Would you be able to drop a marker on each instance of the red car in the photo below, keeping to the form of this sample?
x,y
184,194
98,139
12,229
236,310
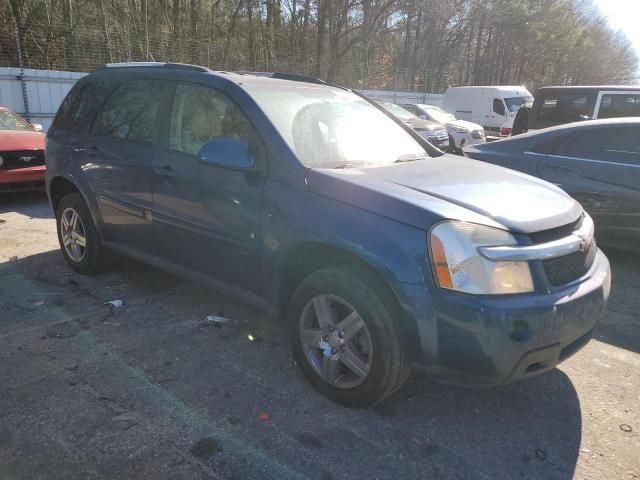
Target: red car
x,y
21,153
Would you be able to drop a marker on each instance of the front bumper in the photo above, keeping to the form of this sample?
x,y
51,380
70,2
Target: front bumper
x,y
489,340
22,178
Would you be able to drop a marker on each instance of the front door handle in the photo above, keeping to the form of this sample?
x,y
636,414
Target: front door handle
x,y
165,171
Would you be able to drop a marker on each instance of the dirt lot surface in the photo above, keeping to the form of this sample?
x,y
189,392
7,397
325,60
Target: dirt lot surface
x,y
152,390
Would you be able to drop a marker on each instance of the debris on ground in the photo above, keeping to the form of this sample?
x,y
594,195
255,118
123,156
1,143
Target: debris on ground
x,y
13,259
217,319
39,303
253,338
626,428
264,416
541,454
115,303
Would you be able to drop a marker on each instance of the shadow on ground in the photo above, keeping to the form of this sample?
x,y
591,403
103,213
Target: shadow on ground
x,y
31,204
153,390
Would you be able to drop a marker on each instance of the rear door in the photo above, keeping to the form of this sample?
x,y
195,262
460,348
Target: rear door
x,y
601,169
120,149
206,217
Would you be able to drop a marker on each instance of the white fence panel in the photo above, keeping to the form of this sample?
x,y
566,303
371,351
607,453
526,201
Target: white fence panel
x,y
435,99
47,88
45,91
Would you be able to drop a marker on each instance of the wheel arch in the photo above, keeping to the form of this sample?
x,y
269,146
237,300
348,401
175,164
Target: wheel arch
x,y
311,256
61,185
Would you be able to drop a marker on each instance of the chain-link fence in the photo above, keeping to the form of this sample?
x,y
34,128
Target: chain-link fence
x,y
81,49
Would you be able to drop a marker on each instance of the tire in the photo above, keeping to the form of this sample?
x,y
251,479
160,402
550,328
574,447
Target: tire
x,y
92,256
381,342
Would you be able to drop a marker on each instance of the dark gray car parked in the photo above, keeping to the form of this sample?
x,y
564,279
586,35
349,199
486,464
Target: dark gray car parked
x,y
596,162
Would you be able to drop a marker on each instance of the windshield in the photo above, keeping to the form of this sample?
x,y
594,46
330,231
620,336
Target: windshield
x,y
439,115
331,128
514,103
11,121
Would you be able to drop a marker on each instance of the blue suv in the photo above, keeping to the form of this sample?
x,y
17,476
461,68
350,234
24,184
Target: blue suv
x,y
314,203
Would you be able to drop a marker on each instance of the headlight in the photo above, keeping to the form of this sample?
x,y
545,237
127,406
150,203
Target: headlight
x,y
458,265
461,129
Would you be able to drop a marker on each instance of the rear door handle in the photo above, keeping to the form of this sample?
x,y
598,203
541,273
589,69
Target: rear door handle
x,y
165,171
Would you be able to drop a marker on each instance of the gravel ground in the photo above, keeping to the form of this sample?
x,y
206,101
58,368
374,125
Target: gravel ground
x,y
152,390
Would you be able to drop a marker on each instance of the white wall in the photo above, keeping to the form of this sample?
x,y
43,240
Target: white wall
x,y
47,88
45,91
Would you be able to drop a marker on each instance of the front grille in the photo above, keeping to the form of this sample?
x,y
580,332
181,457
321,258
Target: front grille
x,y
438,135
563,270
555,233
21,159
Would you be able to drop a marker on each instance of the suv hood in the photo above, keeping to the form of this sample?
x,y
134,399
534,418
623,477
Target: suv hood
x,y
450,187
464,124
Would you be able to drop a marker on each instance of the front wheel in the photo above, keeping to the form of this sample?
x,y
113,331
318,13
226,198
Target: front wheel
x,y
347,338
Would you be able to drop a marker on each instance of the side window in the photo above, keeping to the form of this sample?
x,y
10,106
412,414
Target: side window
x,y
615,145
200,113
131,110
615,105
564,107
80,105
498,107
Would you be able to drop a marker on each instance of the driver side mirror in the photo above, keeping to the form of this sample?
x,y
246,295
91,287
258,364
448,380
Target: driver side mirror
x,y
226,153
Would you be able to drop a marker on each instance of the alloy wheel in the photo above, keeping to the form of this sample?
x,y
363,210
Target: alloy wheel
x,y
73,233
336,341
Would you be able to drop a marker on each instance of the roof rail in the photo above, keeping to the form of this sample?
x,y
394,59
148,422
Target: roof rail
x,y
294,77
175,66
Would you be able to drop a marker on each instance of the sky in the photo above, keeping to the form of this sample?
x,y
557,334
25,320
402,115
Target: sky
x,y
623,15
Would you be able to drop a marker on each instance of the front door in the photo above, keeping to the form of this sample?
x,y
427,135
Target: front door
x,y
119,151
206,217
601,169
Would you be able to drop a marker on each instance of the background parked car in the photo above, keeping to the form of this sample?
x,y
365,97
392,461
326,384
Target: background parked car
x,y
21,153
434,132
559,105
596,162
461,132
492,107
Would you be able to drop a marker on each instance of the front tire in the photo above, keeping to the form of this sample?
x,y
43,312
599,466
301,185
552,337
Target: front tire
x,y
347,338
77,235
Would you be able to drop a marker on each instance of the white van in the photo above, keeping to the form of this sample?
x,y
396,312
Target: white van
x,y
492,107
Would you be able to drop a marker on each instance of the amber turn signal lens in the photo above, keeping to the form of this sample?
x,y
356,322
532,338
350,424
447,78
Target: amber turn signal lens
x,y
440,261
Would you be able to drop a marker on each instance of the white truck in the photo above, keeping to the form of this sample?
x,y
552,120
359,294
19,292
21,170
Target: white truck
x,y
492,107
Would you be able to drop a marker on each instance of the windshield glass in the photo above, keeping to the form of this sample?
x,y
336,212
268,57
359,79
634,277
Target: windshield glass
x,y
514,103
331,128
439,115
11,121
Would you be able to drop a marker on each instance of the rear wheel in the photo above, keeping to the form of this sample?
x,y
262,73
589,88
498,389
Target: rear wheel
x,y
77,235
346,336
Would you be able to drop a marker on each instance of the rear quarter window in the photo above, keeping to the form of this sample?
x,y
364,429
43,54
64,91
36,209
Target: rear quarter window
x,y
614,105
80,105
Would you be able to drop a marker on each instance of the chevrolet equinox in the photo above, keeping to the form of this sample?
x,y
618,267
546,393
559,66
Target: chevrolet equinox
x,y
312,202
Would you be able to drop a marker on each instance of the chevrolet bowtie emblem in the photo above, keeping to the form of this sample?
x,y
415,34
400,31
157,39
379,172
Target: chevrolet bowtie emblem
x,y
585,242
